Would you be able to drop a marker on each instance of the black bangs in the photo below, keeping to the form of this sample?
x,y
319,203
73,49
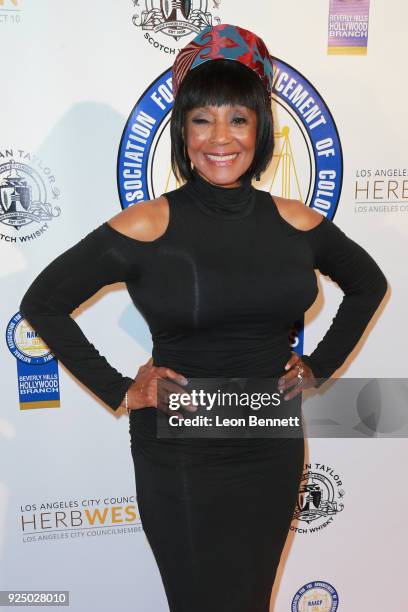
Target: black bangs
x,y
216,83
219,82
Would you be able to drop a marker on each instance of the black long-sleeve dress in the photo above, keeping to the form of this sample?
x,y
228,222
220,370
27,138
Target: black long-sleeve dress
x,y
220,290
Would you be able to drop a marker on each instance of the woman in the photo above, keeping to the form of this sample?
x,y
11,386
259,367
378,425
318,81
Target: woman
x,y
221,271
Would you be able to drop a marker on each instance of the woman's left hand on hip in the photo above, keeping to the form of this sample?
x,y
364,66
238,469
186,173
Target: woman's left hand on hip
x,y
298,377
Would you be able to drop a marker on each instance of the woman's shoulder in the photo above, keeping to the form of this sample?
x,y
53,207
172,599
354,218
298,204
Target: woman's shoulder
x,y
296,213
145,221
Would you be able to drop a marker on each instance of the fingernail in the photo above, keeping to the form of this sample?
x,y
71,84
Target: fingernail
x,y
287,366
183,380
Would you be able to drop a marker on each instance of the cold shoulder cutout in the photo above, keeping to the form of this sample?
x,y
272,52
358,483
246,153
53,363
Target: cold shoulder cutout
x,y
143,222
306,217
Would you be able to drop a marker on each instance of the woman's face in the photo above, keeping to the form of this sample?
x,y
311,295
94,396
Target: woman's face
x,y
220,142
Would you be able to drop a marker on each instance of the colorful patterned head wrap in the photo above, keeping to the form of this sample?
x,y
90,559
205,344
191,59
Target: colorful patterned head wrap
x,y
224,41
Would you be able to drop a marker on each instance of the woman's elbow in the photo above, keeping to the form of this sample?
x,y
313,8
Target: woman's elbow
x,y
32,304
378,289
382,286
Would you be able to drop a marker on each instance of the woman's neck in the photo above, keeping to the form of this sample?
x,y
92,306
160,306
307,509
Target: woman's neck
x,y
221,201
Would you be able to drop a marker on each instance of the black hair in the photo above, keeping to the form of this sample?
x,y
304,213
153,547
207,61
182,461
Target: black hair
x,y
216,83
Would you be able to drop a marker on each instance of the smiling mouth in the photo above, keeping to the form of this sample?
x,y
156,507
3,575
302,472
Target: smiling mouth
x,y
221,158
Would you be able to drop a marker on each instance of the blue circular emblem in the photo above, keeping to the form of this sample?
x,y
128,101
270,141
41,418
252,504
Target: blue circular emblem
x,y
142,154
318,595
25,344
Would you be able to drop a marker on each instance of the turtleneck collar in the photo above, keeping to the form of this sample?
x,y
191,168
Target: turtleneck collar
x,y
223,202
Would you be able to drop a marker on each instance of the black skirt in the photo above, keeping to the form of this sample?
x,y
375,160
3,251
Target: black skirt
x,y
216,513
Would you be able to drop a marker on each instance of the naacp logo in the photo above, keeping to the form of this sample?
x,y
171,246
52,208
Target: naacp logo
x,y
174,18
318,596
24,198
307,164
320,498
25,344
37,366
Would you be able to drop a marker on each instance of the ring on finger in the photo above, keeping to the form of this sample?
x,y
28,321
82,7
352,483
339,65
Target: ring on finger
x,y
300,370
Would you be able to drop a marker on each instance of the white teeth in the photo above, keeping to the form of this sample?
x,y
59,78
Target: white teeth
x,y
222,157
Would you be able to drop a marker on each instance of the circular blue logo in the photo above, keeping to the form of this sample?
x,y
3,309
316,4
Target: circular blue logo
x,y
318,596
25,344
307,164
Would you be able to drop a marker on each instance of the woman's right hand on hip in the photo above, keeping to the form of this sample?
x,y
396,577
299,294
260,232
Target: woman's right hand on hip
x,y
146,392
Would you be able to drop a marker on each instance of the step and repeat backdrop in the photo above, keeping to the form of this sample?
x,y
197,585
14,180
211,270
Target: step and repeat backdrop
x,y
85,109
